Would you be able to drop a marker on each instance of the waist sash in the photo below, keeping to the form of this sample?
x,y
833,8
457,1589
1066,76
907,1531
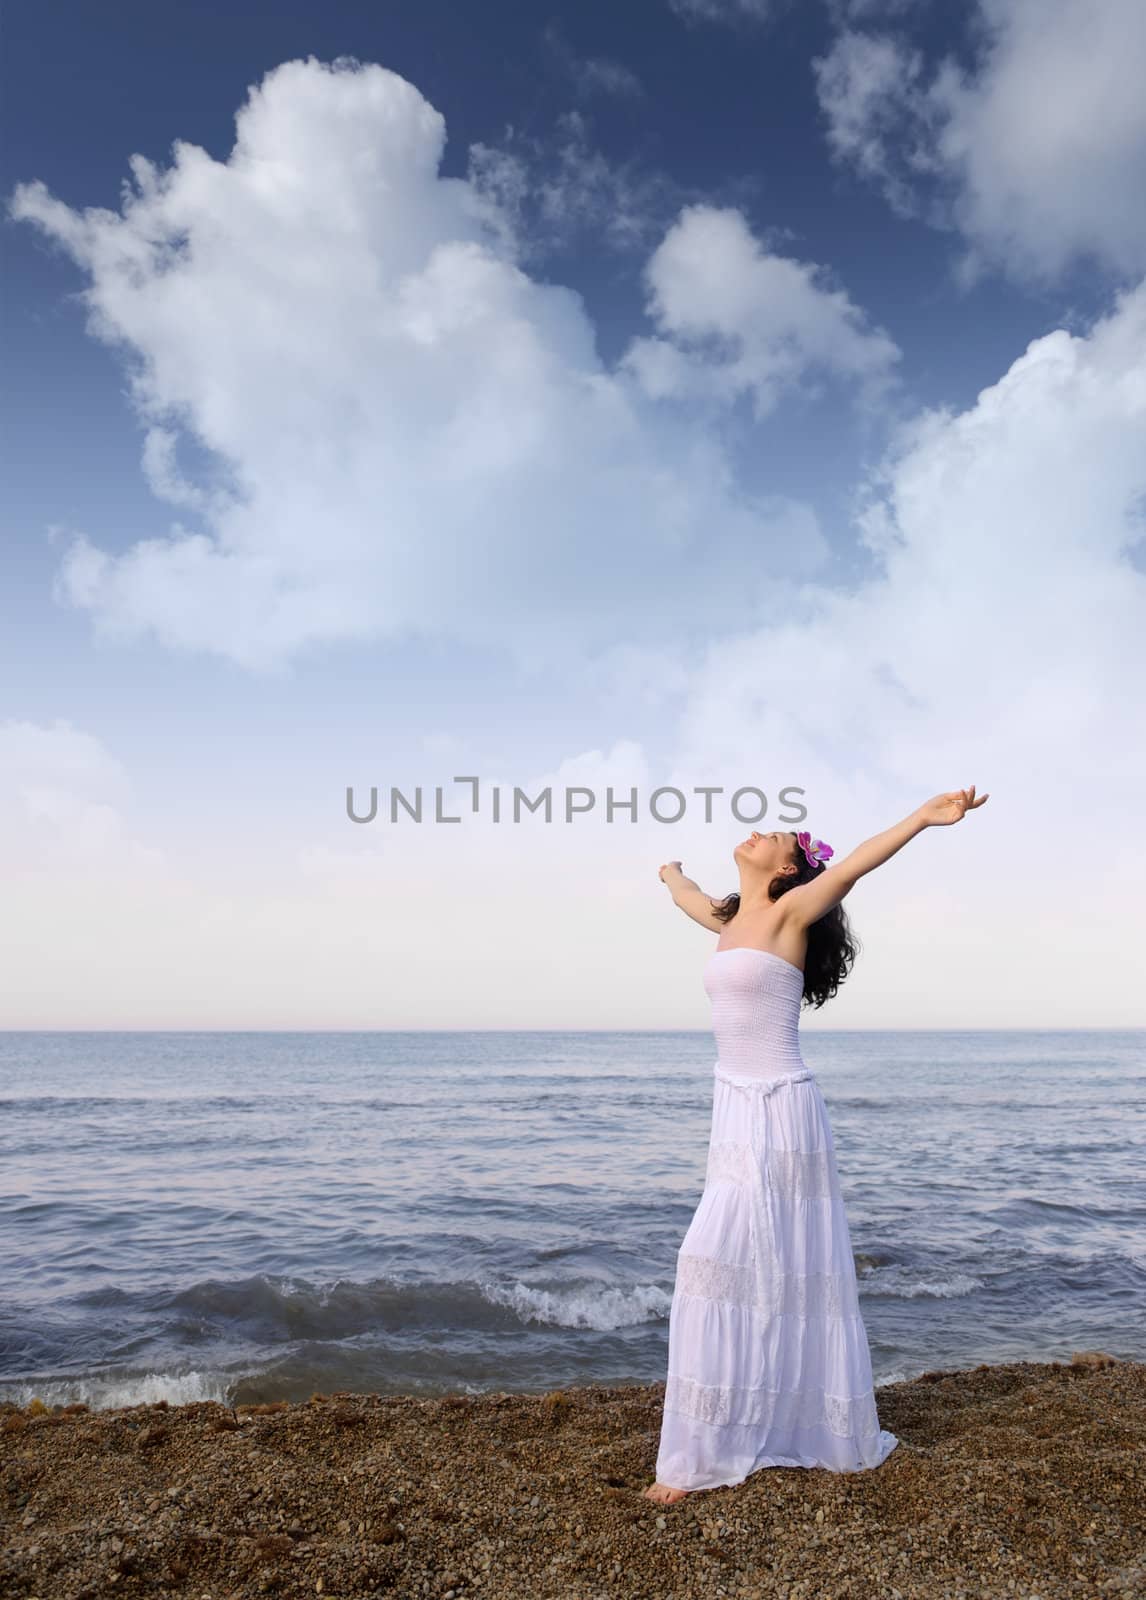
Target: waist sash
x,y
761,1229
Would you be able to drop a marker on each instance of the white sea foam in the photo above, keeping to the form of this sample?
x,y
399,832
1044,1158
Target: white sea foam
x,y
582,1306
140,1389
908,1283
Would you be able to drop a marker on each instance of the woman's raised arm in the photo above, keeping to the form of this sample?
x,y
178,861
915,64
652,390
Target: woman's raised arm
x,y
689,896
811,901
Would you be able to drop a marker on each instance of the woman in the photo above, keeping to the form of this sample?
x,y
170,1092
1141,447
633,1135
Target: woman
x,y
768,1360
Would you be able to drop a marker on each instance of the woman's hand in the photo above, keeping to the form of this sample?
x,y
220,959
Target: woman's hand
x,y
667,866
948,808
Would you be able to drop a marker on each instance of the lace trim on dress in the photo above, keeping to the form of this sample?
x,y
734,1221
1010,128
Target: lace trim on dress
x,y
797,1294
849,1417
803,1174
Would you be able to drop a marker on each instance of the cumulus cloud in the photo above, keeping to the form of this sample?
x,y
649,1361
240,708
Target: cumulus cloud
x,y
410,434
1036,154
413,430
999,643
735,318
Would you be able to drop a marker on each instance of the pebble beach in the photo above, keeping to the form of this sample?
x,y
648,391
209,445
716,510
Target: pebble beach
x,y
1019,1480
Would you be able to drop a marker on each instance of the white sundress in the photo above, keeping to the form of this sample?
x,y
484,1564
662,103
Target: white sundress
x,y
768,1359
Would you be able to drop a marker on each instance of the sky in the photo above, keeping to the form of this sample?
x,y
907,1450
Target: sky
x,y
600,401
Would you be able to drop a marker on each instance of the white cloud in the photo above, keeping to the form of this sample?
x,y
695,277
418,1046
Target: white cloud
x,y
1037,155
726,11
601,75
734,319
743,13
592,75
413,435
550,190
865,10
62,802
258,929
164,478
1001,644
400,456
879,117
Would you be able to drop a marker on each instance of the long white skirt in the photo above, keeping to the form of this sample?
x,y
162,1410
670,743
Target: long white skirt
x,y
768,1361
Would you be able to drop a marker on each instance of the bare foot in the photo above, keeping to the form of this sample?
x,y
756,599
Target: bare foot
x,y
662,1492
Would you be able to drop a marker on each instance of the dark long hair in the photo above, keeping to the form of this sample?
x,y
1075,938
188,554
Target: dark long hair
x,y
832,942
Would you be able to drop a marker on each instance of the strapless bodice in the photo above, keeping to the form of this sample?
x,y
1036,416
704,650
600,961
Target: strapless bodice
x,y
756,999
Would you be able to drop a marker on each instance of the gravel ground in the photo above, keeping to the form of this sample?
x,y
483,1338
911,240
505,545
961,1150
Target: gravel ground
x,y
1022,1480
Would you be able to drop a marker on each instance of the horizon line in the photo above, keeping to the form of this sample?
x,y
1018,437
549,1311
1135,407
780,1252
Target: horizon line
x,y
699,1032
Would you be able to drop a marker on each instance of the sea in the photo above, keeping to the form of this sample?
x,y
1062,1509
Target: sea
x,y
252,1216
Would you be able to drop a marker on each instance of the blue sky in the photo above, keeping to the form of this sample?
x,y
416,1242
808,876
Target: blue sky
x,y
685,392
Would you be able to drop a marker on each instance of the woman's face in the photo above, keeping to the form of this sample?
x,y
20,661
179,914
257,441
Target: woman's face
x,y
770,852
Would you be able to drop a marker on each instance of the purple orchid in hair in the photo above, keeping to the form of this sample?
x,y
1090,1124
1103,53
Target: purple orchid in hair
x,y
816,850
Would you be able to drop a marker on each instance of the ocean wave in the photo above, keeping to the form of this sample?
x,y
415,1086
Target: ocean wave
x,y
103,1392
340,1307
910,1283
586,1305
